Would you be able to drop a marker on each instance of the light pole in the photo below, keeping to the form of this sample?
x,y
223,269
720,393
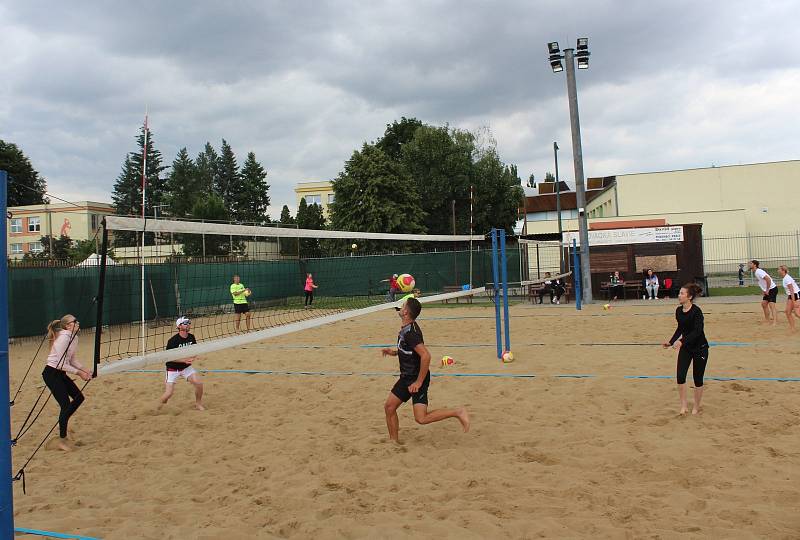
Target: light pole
x,y
577,153
558,212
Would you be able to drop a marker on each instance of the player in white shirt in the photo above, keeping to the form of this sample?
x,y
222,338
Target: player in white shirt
x,y
770,290
792,295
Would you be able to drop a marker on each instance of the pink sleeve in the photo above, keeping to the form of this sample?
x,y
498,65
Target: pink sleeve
x,y
58,351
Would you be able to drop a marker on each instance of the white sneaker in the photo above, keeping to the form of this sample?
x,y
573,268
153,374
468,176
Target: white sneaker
x,y
558,302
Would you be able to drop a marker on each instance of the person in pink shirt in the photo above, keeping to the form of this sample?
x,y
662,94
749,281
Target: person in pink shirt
x,y
309,289
63,334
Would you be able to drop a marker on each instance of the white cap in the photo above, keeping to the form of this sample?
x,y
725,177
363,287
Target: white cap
x,y
182,320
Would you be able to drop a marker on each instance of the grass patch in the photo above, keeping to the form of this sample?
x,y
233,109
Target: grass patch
x,y
735,291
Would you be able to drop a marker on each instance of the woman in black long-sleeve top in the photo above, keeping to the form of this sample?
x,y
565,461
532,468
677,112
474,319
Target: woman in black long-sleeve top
x,y
690,341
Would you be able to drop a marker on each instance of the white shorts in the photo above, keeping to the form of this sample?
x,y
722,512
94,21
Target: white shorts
x,y
173,376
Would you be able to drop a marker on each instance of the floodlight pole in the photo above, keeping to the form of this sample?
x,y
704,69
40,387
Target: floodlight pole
x,y
580,188
558,212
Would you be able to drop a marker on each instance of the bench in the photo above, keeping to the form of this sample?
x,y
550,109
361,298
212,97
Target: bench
x,y
533,293
456,288
634,286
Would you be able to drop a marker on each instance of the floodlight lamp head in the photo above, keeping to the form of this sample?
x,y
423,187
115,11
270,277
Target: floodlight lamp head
x,y
583,44
583,59
555,63
552,47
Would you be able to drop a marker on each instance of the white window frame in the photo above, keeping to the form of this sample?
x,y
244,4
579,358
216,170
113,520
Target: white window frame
x,y
331,198
17,249
16,225
34,224
32,247
313,199
95,221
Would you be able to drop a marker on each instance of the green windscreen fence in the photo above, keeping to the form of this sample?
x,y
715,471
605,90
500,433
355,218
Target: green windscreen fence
x,y
171,289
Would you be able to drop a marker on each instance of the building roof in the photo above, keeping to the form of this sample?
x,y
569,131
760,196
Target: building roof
x,y
547,202
77,205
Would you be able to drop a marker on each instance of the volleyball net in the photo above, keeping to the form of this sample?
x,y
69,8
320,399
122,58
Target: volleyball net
x,y
174,269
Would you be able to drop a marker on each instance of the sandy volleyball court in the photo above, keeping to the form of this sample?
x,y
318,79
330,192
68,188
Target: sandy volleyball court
x,y
306,456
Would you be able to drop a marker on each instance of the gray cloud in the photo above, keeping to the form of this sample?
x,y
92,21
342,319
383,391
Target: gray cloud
x,y
672,84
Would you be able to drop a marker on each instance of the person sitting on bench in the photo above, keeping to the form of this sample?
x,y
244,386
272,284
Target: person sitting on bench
x,y
616,286
547,287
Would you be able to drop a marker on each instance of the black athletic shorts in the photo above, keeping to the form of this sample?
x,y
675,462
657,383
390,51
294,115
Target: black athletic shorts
x,y
794,296
241,308
771,295
400,389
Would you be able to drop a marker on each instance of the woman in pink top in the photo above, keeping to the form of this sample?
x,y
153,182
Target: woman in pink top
x,y
63,336
309,289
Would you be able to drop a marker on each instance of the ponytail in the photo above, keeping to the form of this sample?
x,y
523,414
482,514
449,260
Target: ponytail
x,y
56,325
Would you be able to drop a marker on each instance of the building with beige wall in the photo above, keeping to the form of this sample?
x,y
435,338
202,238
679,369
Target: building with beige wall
x,y
320,193
747,211
28,224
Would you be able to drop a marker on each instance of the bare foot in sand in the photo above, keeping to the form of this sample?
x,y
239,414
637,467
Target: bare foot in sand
x,y
683,411
62,444
695,411
463,417
199,407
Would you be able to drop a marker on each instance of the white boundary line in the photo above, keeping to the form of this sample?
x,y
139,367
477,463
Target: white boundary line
x,y
136,362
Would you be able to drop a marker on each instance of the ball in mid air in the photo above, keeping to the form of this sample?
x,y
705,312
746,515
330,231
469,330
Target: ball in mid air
x,y
354,247
508,357
405,282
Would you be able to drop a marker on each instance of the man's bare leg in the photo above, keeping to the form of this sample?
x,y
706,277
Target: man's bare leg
x,y
774,312
198,391
765,308
423,416
168,390
392,421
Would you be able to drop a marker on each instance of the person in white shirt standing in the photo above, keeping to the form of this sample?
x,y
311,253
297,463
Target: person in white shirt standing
x,y
770,289
792,295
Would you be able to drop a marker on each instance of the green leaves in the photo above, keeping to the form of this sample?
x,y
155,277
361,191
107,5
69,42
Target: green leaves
x,y
25,186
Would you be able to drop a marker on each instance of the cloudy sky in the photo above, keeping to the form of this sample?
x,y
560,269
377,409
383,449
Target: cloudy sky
x,y
672,84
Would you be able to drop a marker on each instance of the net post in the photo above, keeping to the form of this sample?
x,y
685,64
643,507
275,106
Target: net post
x,y
496,292
576,276
101,289
6,491
504,276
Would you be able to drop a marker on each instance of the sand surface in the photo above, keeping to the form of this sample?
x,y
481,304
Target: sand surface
x,y
307,456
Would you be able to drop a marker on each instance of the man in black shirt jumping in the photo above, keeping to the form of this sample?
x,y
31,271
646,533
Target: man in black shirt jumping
x,y
182,368
415,377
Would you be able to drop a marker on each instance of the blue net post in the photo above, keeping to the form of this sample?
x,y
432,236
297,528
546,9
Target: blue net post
x,y
6,493
504,275
576,276
496,295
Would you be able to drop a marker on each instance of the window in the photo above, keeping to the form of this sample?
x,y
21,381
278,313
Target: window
x,y
35,247
34,224
314,199
94,221
16,249
16,225
331,198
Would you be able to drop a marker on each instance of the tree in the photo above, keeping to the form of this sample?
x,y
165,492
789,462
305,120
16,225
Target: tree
x,y
207,169
288,246
208,208
227,179
127,195
369,198
25,186
310,217
81,249
398,134
498,194
439,161
250,197
61,248
181,186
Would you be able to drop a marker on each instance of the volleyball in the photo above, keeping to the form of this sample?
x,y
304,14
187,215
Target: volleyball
x,y
248,292
606,307
447,361
508,357
405,282
354,246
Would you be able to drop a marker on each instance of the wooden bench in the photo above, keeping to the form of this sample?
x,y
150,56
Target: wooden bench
x,y
533,293
456,288
634,286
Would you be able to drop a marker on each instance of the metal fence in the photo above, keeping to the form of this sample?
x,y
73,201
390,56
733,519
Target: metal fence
x,y
722,256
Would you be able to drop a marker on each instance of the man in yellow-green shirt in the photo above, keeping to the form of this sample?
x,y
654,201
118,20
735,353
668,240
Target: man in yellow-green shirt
x,y
240,293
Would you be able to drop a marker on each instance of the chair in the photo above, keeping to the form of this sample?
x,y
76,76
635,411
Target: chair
x,y
668,287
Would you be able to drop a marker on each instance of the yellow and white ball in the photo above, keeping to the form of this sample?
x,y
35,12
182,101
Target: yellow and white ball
x,y
405,282
508,357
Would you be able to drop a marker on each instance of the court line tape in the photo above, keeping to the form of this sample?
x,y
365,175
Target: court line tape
x,y
50,534
456,374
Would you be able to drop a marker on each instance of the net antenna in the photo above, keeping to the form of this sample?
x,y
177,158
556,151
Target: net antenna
x,y
190,267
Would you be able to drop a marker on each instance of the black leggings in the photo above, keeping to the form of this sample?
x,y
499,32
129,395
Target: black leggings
x,y
698,358
63,389
309,297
